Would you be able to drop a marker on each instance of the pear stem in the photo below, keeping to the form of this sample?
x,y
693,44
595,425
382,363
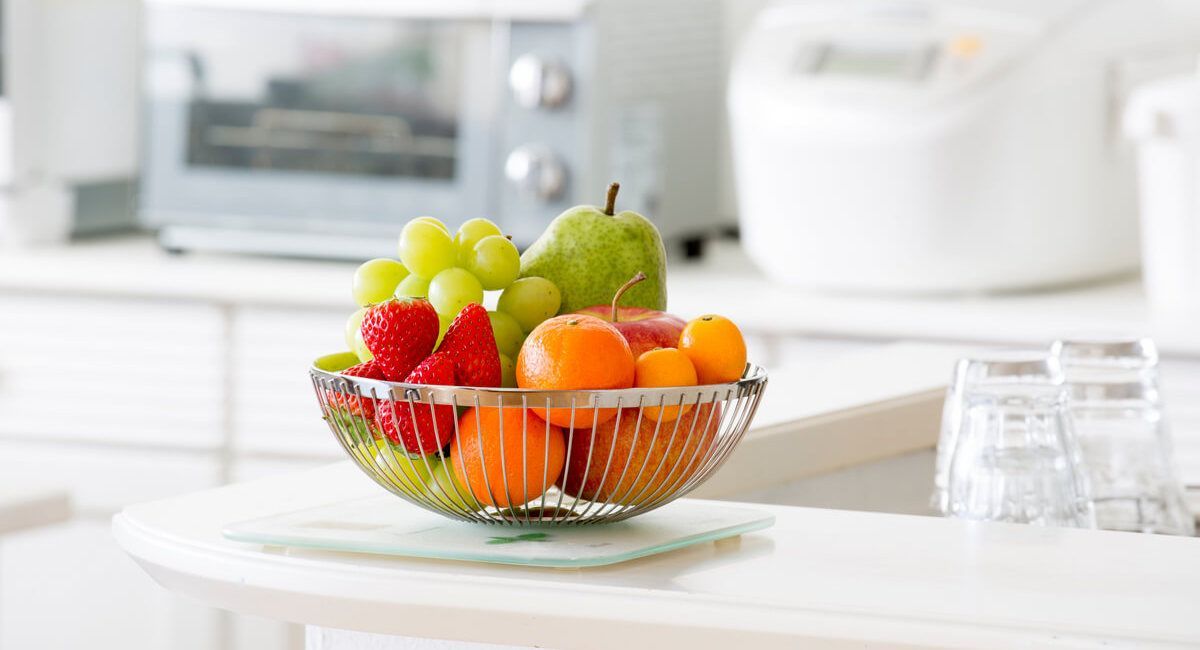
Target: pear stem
x,y
610,201
625,287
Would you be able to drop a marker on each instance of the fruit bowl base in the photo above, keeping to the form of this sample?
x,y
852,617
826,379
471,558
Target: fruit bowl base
x,y
384,525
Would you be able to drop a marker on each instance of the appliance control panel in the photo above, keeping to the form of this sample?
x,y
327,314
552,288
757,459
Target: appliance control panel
x,y
540,145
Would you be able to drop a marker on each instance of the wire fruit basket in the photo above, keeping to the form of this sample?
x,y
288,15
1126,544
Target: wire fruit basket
x,y
618,453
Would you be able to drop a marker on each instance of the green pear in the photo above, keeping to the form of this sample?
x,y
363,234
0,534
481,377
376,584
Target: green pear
x,y
590,252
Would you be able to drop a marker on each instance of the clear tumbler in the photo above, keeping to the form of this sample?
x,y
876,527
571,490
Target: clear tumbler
x,y
1126,445
990,368
1015,458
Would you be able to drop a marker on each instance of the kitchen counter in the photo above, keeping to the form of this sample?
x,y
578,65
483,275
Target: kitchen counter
x,y
724,280
822,578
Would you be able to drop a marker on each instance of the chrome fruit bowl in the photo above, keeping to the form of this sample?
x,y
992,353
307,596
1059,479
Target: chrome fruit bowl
x,y
612,470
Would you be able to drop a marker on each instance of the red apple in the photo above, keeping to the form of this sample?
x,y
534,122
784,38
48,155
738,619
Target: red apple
x,y
644,329
637,460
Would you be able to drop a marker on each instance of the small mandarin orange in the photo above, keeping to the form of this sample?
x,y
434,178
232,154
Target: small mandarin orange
x,y
716,348
664,367
575,352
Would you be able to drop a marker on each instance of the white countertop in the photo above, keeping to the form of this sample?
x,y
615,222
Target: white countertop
x,y
818,577
725,281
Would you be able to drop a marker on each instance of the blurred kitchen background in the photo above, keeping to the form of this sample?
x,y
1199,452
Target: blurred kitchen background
x,y
186,185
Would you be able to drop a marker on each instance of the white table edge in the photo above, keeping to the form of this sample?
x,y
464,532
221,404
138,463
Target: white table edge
x,y
252,580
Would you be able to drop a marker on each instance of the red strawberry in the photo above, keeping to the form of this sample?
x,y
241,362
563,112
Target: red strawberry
x,y
352,404
400,333
470,343
420,428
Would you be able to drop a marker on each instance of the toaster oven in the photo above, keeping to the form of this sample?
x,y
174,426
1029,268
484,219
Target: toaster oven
x,y
319,127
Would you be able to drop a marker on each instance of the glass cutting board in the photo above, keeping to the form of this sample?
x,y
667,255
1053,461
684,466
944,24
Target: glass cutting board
x,y
386,525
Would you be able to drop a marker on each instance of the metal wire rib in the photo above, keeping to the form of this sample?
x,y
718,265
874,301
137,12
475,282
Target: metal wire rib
x,y
633,463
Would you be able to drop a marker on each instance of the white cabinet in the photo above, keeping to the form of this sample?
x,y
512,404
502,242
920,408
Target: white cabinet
x,y
257,633
273,408
122,400
70,585
102,480
111,370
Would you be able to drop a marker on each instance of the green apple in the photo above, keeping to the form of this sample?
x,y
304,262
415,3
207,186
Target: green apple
x,y
359,429
446,489
589,252
410,474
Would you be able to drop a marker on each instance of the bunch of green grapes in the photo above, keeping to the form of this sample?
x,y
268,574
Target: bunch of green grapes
x,y
453,271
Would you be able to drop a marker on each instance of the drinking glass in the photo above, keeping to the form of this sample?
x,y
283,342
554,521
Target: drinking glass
x,y
1126,445
1015,458
996,367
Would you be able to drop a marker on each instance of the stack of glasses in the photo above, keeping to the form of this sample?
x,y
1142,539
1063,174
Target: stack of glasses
x,y
1073,436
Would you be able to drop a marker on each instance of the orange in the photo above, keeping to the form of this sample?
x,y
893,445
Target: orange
x,y
625,461
665,367
506,456
575,352
716,348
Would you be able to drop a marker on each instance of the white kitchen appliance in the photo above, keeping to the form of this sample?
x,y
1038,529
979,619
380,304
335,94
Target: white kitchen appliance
x,y
1164,120
68,118
943,145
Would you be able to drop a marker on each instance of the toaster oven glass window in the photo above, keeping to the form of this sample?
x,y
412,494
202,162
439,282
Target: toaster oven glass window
x,y
906,63
366,97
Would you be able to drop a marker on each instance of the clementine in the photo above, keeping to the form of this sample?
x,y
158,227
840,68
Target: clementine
x,y
665,367
716,348
575,352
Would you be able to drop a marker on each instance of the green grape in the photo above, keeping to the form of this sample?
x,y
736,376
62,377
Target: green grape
x,y
425,249
443,325
471,232
336,362
376,279
353,325
414,286
495,261
530,300
508,372
360,348
453,289
436,222
507,332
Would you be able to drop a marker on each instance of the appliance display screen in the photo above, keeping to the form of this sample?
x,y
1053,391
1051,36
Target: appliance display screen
x,y
873,61
320,94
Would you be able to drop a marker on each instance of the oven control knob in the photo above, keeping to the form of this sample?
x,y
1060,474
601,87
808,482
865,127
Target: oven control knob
x,y
539,83
536,171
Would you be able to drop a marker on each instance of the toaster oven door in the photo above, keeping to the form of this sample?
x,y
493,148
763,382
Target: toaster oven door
x,y
322,123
